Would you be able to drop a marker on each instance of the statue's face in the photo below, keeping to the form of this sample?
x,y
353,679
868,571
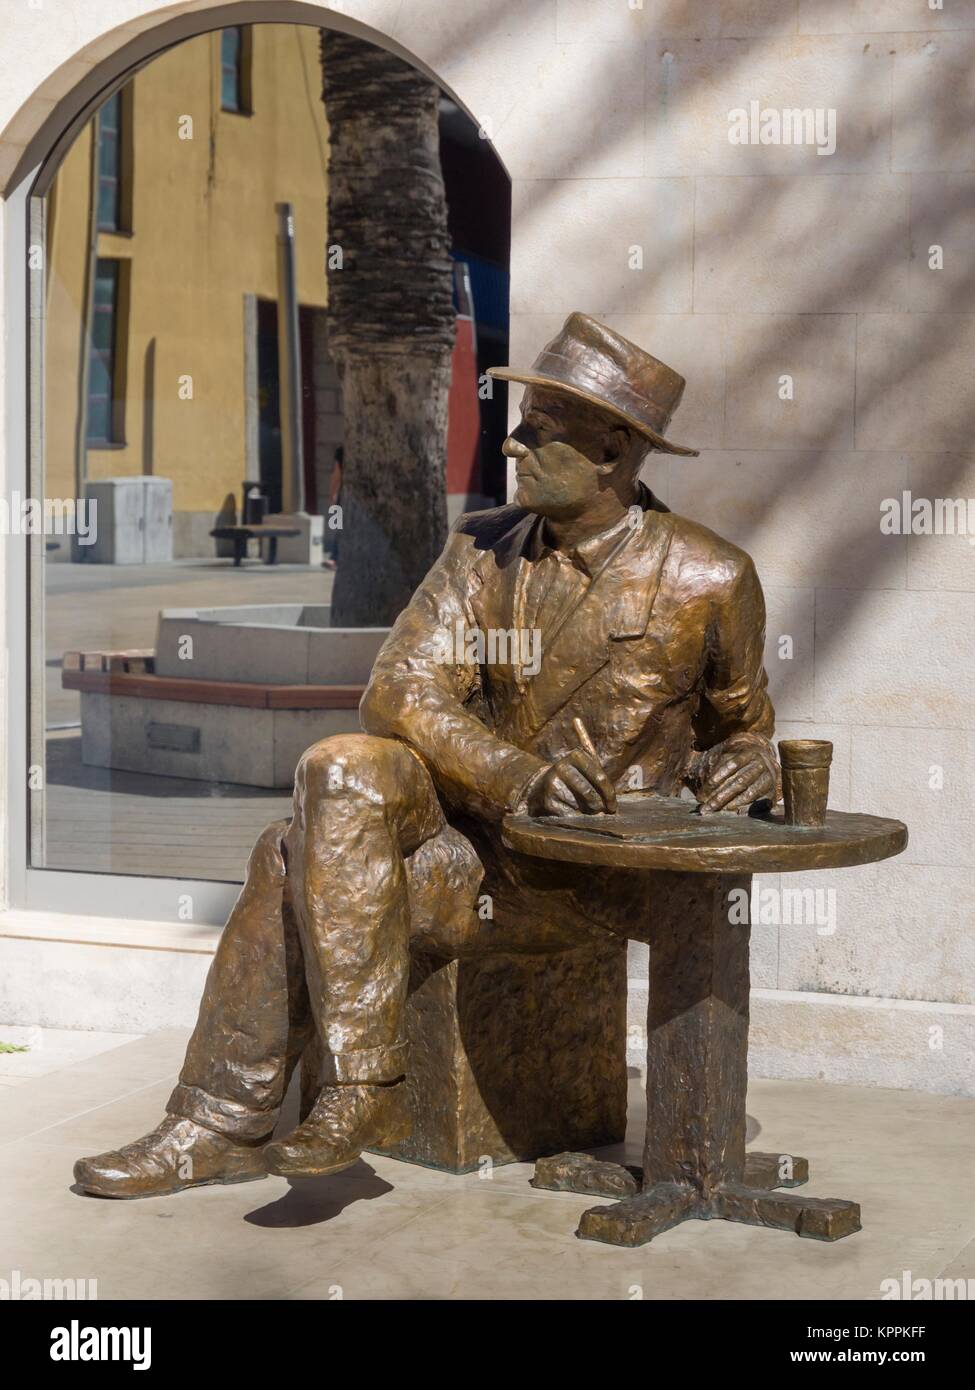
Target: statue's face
x,y
563,450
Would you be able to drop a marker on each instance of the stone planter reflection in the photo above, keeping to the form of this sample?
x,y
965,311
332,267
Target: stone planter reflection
x,y
273,679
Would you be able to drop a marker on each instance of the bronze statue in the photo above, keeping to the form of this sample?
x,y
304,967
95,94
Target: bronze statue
x,y
651,632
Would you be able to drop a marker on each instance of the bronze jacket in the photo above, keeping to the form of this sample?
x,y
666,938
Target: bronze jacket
x,y
662,658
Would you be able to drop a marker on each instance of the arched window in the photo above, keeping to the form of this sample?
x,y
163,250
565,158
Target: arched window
x,y
181,384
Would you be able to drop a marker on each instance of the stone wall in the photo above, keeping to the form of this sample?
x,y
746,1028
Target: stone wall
x,y
829,368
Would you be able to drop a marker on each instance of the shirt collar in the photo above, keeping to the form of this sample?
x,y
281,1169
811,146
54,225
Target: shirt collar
x,y
589,554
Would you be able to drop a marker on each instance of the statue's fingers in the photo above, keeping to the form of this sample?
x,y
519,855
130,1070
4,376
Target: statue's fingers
x,y
728,767
592,770
732,788
757,791
588,797
720,798
559,800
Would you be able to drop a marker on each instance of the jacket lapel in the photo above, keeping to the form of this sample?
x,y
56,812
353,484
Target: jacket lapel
x,y
500,574
617,605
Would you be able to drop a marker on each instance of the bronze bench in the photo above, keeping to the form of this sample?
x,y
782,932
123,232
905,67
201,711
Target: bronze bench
x,y
240,535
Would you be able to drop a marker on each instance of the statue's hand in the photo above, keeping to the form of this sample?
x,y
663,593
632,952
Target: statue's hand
x,y
732,779
573,783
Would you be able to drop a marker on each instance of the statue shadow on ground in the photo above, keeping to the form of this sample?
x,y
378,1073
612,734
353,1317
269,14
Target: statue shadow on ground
x,y
313,1201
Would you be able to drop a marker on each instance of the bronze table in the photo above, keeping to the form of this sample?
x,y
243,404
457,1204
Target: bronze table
x,y
698,871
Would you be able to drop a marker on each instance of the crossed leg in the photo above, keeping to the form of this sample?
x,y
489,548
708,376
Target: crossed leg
x,y
320,937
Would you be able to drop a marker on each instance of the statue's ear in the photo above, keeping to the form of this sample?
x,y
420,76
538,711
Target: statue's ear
x,y
616,445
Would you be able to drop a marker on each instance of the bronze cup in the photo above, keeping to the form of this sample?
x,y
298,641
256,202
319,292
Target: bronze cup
x,y
805,779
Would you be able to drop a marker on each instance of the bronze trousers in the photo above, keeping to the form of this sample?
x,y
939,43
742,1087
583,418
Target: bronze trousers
x,y
333,902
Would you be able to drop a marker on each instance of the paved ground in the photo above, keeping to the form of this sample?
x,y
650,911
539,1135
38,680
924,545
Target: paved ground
x,y
387,1230
51,1049
101,820
106,821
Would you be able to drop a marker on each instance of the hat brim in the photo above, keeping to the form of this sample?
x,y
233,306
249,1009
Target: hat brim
x,y
536,379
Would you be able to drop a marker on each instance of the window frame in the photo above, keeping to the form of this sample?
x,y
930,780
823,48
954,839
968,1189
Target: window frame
x,y
124,161
118,354
242,69
28,888
110,137
29,893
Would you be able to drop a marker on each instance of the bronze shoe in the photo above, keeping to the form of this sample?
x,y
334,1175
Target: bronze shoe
x,y
178,1153
343,1121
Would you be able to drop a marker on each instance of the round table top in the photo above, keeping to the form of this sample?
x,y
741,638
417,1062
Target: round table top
x,y
654,832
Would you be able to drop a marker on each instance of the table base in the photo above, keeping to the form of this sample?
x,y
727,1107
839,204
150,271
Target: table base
x,y
698,894
644,1213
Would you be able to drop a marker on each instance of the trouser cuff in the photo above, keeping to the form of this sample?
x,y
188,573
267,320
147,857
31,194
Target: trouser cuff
x,y
224,1116
369,1065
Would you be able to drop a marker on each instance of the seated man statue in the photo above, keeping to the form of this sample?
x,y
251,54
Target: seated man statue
x,y
583,641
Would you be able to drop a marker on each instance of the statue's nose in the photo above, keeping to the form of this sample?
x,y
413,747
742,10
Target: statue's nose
x,y
513,448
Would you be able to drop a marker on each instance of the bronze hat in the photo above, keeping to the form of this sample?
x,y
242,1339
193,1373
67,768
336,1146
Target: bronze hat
x,y
589,360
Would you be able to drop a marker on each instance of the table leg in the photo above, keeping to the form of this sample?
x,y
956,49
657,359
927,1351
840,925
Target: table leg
x,y
694,1161
697,1031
